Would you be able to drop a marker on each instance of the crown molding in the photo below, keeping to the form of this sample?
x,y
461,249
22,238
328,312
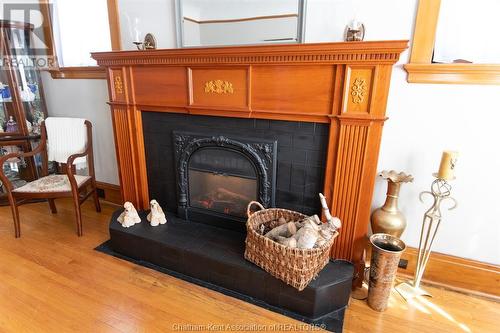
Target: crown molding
x,y
322,53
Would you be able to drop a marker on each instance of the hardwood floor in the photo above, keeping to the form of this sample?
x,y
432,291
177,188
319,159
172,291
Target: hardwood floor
x,y
53,281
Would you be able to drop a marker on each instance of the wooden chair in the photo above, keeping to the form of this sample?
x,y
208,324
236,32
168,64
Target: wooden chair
x,y
54,186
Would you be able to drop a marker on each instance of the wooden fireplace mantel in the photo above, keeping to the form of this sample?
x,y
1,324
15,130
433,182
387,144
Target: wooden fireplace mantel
x,y
343,84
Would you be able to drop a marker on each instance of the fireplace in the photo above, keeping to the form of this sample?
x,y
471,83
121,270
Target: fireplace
x,y
323,107
341,86
217,176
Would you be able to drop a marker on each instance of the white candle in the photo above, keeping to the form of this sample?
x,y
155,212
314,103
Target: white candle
x,y
355,25
137,33
447,166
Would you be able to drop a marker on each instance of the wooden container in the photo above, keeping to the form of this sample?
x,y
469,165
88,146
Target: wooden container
x,y
295,267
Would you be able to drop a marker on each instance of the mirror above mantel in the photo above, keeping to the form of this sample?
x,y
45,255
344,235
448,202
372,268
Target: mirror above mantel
x,y
243,22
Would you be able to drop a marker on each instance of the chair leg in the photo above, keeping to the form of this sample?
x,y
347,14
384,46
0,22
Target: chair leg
x,y
78,211
96,201
15,216
52,205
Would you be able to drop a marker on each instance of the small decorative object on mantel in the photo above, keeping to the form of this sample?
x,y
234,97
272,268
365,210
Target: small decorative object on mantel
x,y
354,31
156,216
129,216
388,219
386,251
440,191
289,245
149,43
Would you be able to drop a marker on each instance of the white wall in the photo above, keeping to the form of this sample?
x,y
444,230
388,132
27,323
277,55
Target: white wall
x,y
234,9
192,33
154,16
424,120
383,19
236,33
86,99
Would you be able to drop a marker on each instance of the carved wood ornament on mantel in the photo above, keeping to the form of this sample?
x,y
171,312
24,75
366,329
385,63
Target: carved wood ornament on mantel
x,y
343,84
118,85
358,90
219,87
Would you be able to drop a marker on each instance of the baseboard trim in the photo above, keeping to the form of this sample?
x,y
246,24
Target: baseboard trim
x,y
110,192
463,275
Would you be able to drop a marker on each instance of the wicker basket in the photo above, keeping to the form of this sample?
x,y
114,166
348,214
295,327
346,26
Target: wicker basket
x,y
296,267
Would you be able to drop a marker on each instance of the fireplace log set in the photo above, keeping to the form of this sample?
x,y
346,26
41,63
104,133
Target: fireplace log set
x,y
224,200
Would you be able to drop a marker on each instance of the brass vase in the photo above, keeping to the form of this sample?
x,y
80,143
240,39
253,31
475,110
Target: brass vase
x,y
388,219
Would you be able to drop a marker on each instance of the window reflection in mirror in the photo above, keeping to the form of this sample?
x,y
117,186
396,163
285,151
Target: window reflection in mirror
x,y
467,32
239,22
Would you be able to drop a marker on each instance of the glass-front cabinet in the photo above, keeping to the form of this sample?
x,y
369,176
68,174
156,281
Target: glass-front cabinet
x,y
22,104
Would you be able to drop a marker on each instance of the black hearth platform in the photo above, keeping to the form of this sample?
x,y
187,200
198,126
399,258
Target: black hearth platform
x,y
213,257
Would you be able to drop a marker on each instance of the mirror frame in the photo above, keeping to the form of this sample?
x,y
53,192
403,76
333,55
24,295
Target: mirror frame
x,y
421,69
179,29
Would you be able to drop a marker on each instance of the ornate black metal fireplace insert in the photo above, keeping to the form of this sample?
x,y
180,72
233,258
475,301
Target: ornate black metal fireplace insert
x,y
217,176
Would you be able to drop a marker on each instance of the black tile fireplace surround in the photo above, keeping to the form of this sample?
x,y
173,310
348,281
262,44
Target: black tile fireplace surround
x,y
211,256
300,155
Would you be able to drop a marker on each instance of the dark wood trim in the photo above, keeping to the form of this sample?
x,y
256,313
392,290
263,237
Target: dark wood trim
x,y
114,25
15,24
112,193
47,29
78,73
465,275
11,138
253,18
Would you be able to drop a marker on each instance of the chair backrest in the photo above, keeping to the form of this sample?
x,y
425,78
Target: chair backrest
x,y
65,137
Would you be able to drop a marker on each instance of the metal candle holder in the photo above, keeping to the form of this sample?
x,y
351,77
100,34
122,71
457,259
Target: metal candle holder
x,y
440,191
149,43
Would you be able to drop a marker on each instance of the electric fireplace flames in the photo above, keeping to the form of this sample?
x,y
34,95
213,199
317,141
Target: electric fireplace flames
x,y
221,180
219,176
